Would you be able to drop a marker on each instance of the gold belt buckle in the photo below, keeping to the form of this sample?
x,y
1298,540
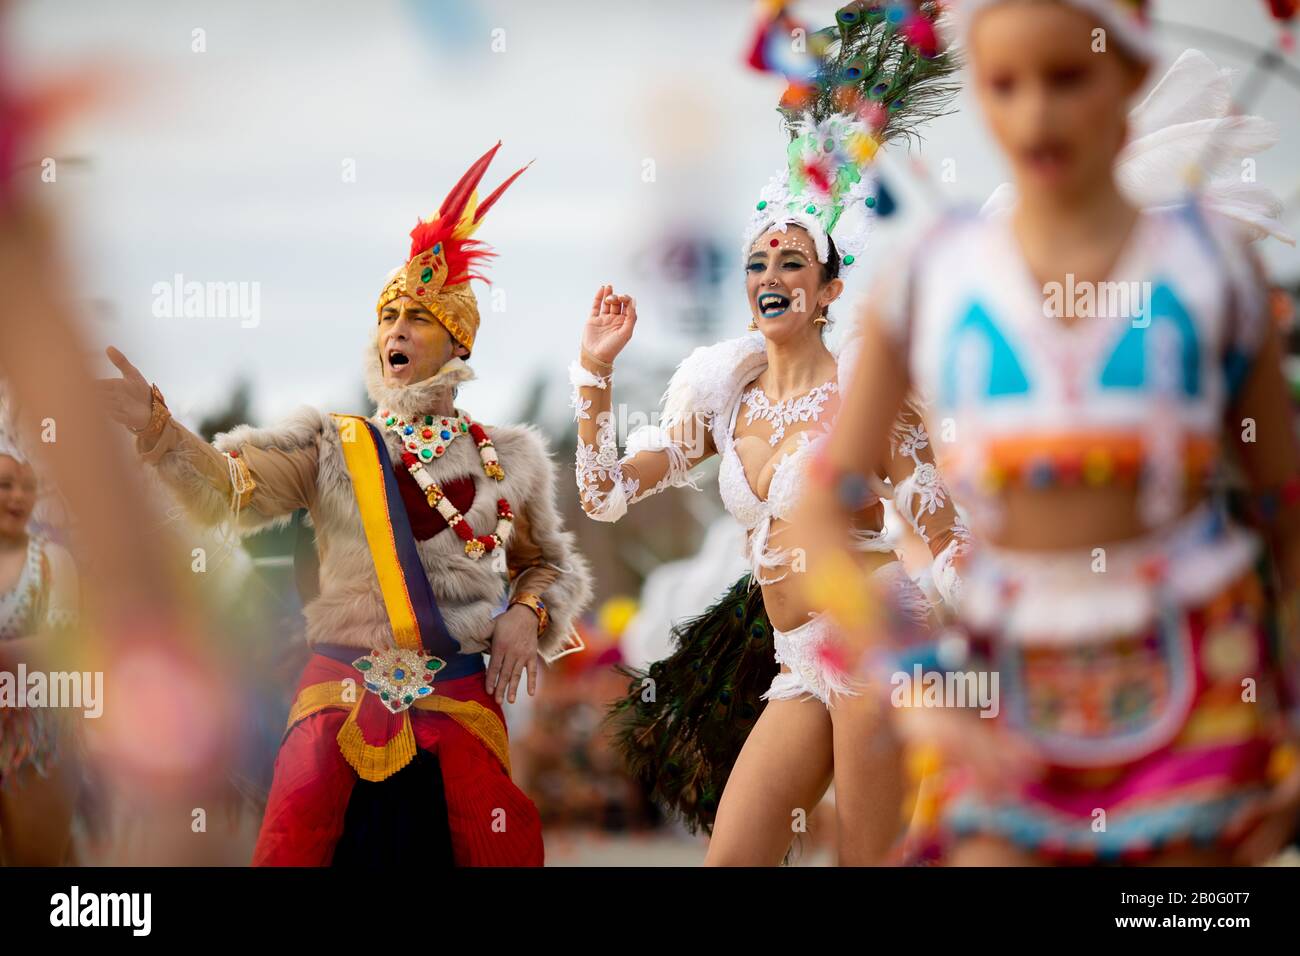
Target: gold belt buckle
x,y
399,676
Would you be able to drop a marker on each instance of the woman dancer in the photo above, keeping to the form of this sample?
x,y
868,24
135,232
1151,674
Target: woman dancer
x,y
763,402
1142,687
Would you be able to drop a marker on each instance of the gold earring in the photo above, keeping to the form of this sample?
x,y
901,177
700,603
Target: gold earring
x,y
821,318
753,325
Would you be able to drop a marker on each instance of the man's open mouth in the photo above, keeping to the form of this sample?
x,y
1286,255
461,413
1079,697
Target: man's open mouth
x,y
772,304
397,358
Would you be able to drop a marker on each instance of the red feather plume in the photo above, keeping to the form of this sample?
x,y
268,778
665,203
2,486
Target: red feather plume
x,y
462,255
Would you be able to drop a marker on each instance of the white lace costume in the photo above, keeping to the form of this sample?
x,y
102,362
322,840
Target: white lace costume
x,y
712,387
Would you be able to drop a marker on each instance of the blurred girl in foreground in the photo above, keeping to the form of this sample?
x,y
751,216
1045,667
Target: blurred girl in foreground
x,y
1095,364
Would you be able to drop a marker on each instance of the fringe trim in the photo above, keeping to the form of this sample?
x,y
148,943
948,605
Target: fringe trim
x,y
378,763
654,438
371,762
788,685
810,674
315,698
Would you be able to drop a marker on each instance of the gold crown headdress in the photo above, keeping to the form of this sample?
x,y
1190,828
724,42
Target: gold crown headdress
x,y
443,256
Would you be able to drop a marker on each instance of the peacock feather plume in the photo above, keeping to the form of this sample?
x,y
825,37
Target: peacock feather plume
x,y
684,719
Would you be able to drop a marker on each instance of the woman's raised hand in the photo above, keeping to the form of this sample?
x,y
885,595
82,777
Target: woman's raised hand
x,y
609,327
128,399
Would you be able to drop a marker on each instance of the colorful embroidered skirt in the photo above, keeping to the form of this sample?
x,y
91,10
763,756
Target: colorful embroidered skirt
x,y
1150,740
31,737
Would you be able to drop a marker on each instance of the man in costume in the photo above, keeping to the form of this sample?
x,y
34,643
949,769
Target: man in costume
x,y
427,524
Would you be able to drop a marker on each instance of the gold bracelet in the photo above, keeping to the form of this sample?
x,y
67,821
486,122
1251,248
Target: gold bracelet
x,y
158,414
538,606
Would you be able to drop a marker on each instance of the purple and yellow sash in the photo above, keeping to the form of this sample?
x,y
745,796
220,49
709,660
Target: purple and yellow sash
x,y
375,741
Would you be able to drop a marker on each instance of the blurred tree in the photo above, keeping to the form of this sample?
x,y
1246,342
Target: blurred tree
x,y
237,411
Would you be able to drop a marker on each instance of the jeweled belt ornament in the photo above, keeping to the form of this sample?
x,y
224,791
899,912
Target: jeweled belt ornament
x,y
399,676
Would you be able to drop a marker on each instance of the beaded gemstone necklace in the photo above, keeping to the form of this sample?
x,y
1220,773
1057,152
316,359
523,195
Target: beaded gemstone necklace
x,y
428,438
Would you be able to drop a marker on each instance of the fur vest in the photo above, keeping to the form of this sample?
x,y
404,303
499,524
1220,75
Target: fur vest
x,y
470,593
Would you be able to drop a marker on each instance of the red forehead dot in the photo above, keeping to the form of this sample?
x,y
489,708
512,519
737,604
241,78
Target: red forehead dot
x,y
774,243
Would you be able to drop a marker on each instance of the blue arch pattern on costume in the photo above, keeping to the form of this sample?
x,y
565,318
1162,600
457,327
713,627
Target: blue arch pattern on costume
x,y
1005,374
1127,366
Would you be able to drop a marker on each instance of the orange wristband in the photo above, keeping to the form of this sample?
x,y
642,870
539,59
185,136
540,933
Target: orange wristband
x,y
538,606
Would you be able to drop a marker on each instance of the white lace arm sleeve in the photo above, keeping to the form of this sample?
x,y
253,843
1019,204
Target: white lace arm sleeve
x,y
943,570
924,502
656,457
920,492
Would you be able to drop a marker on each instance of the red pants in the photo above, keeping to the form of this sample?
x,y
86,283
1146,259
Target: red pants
x,y
492,821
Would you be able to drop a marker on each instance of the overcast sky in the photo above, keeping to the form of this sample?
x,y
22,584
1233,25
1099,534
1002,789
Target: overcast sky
x,y
227,166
